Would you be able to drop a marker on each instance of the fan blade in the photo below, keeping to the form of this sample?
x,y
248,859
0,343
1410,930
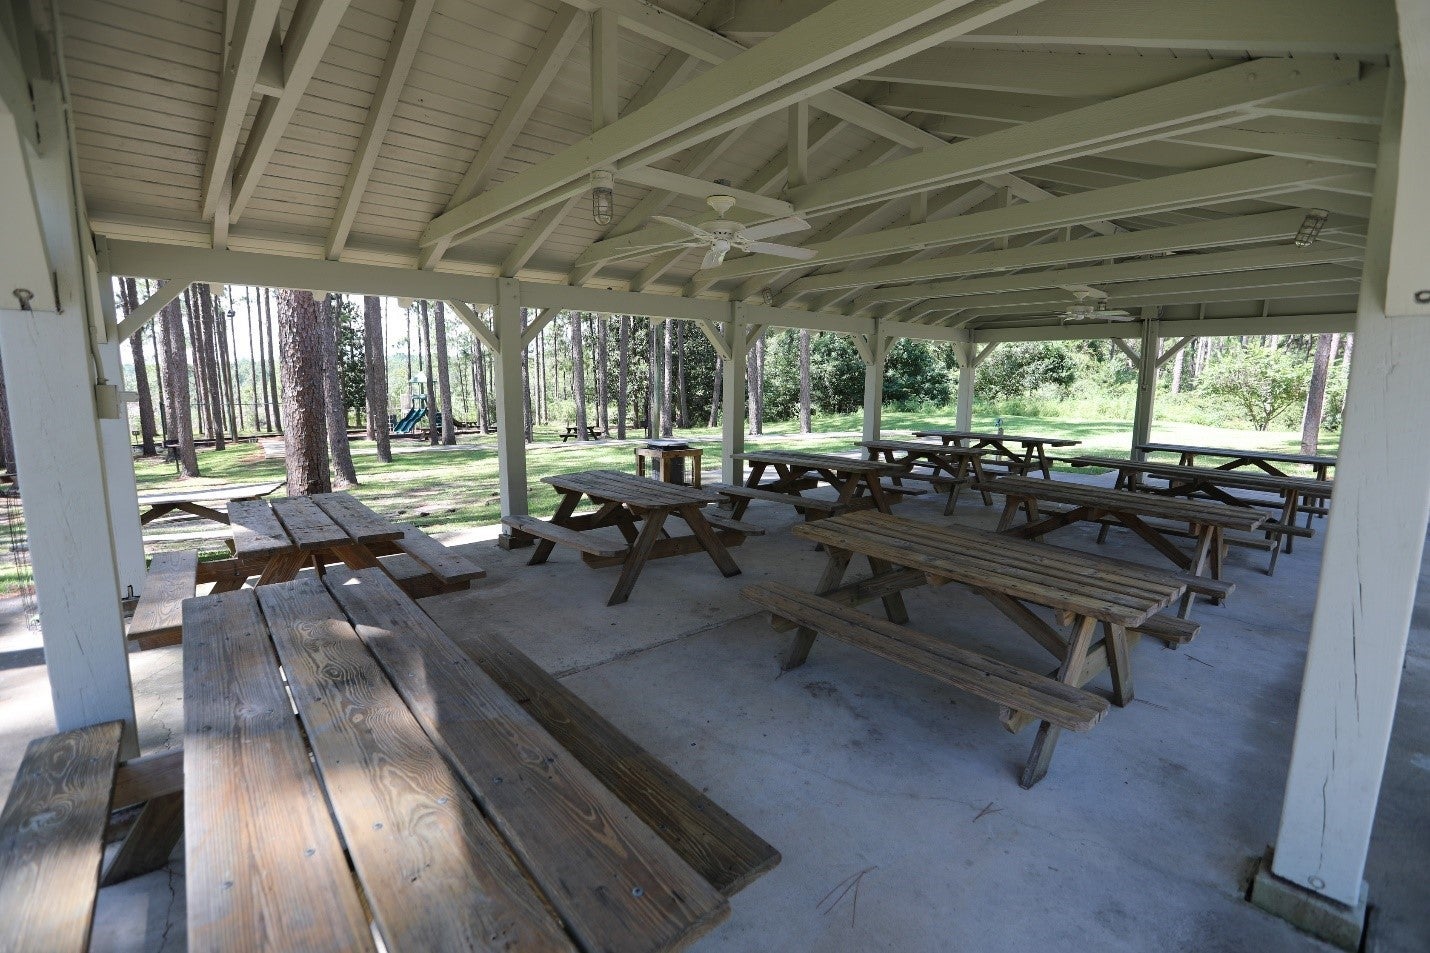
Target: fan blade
x,y
713,258
780,226
695,230
783,251
1085,292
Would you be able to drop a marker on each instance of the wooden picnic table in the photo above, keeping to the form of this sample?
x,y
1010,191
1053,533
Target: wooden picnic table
x,y
277,538
943,462
796,471
1205,521
1014,575
1031,447
1265,460
466,823
1214,483
622,500
200,501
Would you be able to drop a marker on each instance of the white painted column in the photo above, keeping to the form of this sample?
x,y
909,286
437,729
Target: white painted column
x,y
1146,380
966,374
877,349
733,399
125,530
1375,537
511,432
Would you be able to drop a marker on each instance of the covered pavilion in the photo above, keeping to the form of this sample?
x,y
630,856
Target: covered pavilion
x,y
971,171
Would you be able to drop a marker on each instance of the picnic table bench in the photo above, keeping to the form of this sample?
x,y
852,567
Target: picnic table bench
x,y
940,464
1032,453
1214,483
1085,593
795,471
200,501
622,500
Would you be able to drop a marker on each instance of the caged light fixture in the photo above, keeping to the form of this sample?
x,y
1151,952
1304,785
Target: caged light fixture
x,y
603,197
1311,226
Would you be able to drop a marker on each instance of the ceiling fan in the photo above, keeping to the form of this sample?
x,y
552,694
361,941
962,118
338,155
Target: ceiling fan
x,y
1091,306
720,234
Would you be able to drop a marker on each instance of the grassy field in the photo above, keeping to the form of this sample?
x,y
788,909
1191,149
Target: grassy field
x,y
454,488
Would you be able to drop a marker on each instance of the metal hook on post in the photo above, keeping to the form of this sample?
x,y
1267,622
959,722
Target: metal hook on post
x,y
24,296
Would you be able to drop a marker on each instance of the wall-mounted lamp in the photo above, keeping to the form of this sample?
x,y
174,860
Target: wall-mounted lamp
x,y
1311,226
603,197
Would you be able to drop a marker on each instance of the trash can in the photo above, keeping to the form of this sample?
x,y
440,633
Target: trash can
x,y
673,466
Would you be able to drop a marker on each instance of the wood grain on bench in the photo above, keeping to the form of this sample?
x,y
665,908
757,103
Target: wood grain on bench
x,y
158,617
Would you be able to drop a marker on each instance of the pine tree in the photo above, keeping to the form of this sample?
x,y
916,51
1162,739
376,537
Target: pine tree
x,y
208,362
444,379
805,423
305,451
623,378
130,298
375,377
1316,395
336,416
176,370
578,376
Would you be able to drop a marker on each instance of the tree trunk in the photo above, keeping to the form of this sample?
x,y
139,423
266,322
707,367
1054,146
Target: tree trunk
x,y
7,437
162,411
430,385
195,360
1178,360
623,377
716,390
1316,395
305,452
273,369
682,400
444,379
805,423
756,386
129,295
528,423
652,382
578,375
375,376
667,402
336,414
482,405
603,397
209,362
176,370
226,351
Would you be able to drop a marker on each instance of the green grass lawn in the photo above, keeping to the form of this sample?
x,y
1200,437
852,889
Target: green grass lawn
x,y
454,488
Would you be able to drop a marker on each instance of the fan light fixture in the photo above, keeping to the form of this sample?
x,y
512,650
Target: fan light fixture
x,y
603,197
1311,226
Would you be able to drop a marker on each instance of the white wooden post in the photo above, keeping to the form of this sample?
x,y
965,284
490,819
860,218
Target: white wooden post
x,y
511,429
1375,537
46,314
877,349
733,399
124,526
966,371
1146,381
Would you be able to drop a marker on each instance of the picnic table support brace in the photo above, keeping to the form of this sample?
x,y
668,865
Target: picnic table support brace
x,y
1375,538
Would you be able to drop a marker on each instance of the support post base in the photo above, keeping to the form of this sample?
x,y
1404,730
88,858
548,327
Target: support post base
x,y
1307,910
510,541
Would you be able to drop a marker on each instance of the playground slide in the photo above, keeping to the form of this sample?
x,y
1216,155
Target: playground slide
x,y
409,421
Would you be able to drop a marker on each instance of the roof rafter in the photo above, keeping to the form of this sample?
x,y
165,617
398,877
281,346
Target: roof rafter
x,y
401,53
842,42
253,24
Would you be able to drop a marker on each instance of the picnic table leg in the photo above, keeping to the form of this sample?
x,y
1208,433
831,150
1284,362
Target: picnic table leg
x,y
1047,738
894,609
1119,665
282,567
636,559
1010,512
876,490
156,511
803,639
708,540
1206,538
562,515
1042,460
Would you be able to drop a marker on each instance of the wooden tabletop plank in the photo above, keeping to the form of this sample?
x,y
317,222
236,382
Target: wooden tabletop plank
x,y
308,525
1205,512
617,885
436,876
265,868
917,446
817,461
1242,479
1271,456
1023,439
356,519
256,531
630,489
896,540
217,494
52,839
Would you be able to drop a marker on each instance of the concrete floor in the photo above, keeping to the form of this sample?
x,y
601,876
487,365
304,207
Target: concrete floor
x,y
893,798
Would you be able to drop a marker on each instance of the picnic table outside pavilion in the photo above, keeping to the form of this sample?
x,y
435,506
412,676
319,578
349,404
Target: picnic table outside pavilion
x,y
201,501
622,501
1083,591
1031,447
1265,460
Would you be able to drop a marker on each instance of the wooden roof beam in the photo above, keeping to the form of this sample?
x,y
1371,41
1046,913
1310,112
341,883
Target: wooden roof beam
x,y
549,56
840,43
1249,179
401,52
1200,102
253,24
311,29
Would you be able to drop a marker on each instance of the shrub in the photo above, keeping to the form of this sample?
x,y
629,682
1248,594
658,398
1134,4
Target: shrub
x,y
1261,384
